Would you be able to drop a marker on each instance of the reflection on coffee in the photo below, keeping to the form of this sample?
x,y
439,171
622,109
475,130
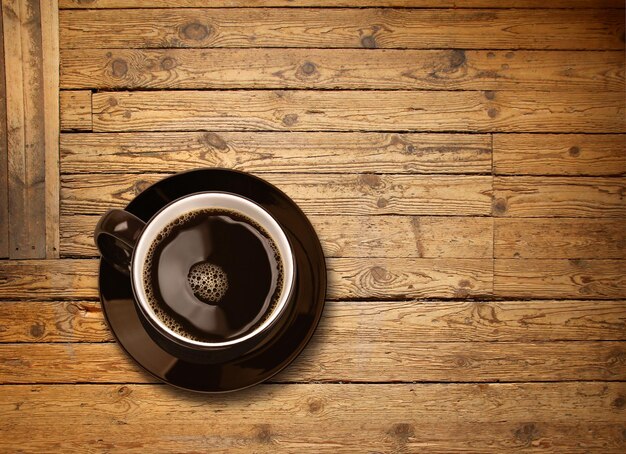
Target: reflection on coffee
x,y
213,275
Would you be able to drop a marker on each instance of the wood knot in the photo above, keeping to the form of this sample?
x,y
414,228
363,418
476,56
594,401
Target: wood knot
x,y
168,63
409,149
368,42
380,274
492,112
499,206
119,68
290,119
140,186
490,94
123,391
215,141
462,361
127,114
371,180
112,101
465,283
315,405
263,434
37,330
491,55
308,68
504,66
195,31
457,58
402,431
382,202
619,402
527,433
509,55
574,151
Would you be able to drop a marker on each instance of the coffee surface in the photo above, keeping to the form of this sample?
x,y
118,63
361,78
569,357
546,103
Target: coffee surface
x,y
213,275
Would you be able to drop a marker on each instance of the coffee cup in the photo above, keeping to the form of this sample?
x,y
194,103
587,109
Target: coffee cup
x,y
211,272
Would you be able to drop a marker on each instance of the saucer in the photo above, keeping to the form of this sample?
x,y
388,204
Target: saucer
x,y
295,328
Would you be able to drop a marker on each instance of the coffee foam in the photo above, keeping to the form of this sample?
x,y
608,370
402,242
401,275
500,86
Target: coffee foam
x,y
210,279
208,282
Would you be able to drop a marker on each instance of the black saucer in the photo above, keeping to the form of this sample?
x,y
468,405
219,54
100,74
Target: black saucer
x,y
296,327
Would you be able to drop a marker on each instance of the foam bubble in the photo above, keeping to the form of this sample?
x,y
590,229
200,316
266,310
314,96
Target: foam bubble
x,y
208,282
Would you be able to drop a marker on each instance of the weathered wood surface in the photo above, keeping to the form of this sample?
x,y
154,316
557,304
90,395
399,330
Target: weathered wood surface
x,y
434,418
276,152
572,154
25,128
345,321
375,361
350,236
75,110
77,4
552,278
571,238
536,196
346,69
50,68
348,278
299,110
4,172
349,194
343,28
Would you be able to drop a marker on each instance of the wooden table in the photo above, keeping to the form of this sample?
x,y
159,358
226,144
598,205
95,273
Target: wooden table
x,y
463,163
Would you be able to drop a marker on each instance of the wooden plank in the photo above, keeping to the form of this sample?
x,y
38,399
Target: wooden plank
x,y
78,4
374,360
378,236
25,129
367,321
342,28
559,196
551,278
75,110
349,194
4,173
348,69
50,65
570,238
302,110
276,151
434,418
347,277
572,154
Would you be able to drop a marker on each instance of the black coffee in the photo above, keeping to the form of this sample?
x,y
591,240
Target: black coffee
x,y
213,275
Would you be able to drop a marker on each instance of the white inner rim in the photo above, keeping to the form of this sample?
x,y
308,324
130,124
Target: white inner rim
x,y
201,201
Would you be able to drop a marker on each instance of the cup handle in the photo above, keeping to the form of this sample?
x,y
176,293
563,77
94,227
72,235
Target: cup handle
x,y
116,235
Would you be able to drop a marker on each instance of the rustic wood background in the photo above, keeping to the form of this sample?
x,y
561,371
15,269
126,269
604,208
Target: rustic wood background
x,y
464,165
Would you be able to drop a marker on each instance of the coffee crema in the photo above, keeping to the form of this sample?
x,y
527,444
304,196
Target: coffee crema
x,y
213,275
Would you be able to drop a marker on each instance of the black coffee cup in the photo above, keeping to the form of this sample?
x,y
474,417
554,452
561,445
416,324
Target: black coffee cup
x,y
125,241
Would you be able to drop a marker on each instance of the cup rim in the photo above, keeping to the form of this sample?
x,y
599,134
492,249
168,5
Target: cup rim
x,y
286,253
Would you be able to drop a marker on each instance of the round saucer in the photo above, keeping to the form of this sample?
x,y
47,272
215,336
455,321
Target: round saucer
x,y
296,327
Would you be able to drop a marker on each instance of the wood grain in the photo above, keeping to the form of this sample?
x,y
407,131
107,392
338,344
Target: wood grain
x,y
25,129
571,238
363,321
346,69
552,278
350,236
572,154
342,28
75,111
4,172
434,418
559,196
77,4
347,277
349,194
349,110
276,152
50,66
374,361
